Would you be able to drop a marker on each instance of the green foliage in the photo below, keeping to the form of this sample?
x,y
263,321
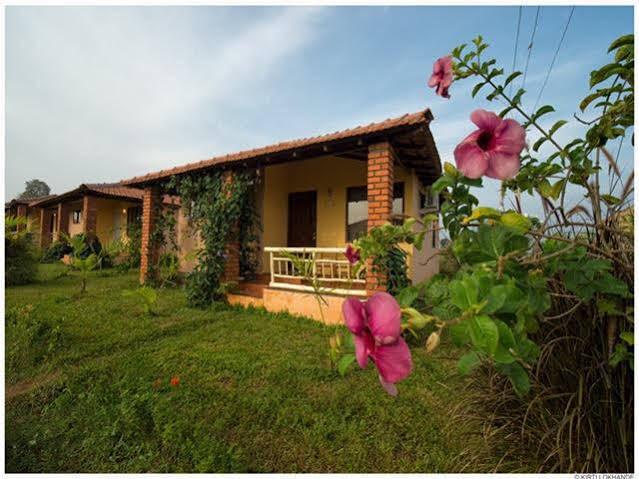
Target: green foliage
x,y
215,207
553,294
147,297
30,338
84,257
381,245
34,189
57,250
21,261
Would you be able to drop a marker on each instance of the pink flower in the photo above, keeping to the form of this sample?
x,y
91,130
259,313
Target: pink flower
x,y
492,150
352,254
442,76
376,329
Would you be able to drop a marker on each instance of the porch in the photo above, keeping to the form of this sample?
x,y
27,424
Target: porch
x,y
314,196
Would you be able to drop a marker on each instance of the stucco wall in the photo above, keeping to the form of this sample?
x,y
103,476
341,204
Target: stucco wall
x,y
111,219
329,177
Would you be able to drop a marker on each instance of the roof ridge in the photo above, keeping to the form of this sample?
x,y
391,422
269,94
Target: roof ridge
x,y
406,119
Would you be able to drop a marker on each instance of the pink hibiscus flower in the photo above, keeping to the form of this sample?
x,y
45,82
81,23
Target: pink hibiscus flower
x,y
376,328
492,150
352,254
442,76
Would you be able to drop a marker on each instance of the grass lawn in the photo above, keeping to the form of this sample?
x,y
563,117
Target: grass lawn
x,y
89,391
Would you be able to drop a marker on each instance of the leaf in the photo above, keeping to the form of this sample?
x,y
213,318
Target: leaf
x,y
511,77
344,362
556,127
622,40
506,336
610,200
441,184
628,337
502,355
516,221
539,142
543,111
407,295
467,363
477,88
482,212
484,333
517,376
459,333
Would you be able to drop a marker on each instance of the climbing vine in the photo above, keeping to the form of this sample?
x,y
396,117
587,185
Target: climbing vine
x,y
219,210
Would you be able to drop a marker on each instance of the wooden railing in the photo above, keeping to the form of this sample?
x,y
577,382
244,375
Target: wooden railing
x,y
299,268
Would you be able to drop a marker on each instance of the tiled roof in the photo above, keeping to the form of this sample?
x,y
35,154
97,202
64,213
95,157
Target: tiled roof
x,y
113,190
421,117
28,201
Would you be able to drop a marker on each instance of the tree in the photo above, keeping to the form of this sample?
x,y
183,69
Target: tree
x,y
35,189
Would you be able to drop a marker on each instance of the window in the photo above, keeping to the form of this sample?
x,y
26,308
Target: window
x,y
357,209
77,217
427,200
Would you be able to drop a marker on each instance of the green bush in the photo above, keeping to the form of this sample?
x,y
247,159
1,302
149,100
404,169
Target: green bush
x,y
21,261
30,339
56,251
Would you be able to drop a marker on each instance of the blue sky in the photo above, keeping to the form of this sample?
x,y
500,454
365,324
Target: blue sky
x,y
103,93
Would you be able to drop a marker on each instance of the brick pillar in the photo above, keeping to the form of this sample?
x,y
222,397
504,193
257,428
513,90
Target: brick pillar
x,y
380,200
232,265
89,215
63,219
151,203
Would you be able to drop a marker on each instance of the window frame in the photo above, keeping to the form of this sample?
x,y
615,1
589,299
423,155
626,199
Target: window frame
x,y
398,186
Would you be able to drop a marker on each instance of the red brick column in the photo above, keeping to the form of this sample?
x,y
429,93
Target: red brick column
x,y
232,265
151,203
63,219
380,200
89,215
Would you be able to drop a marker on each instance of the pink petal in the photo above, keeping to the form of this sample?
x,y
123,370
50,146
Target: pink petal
x,y
384,318
393,361
354,315
502,166
510,137
434,80
364,346
471,160
390,387
485,120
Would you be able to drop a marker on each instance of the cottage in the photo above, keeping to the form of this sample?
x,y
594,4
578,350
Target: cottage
x,y
101,209
314,196
26,208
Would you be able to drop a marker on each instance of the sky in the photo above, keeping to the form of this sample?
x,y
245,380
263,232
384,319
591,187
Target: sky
x,y
99,94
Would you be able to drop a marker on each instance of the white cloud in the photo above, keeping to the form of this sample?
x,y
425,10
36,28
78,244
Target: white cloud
x,y
99,94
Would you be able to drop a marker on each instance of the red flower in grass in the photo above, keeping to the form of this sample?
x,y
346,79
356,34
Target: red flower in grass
x,y
376,328
175,381
442,77
492,150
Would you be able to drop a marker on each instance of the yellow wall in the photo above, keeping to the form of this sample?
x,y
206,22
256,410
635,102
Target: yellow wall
x,y
329,177
74,229
108,213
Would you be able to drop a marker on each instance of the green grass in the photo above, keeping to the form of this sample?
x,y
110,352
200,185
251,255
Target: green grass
x,y
256,392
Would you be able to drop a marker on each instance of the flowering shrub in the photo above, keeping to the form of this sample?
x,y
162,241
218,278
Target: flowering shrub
x,y
545,303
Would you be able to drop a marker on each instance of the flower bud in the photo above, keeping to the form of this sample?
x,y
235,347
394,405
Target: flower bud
x,y
432,342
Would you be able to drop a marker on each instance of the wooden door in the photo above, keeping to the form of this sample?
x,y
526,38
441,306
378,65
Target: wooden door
x,y
302,218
